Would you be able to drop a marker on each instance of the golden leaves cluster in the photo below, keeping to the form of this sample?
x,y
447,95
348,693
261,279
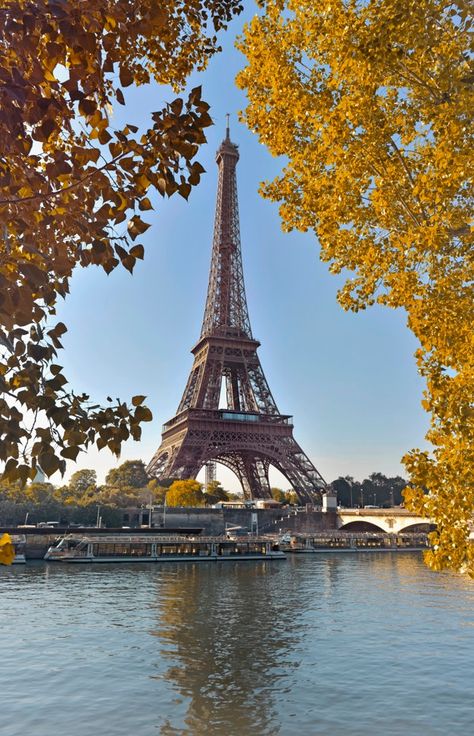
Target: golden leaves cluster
x,y
185,493
73,189
371,103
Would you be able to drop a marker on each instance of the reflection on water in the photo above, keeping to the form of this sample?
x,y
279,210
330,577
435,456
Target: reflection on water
x,y
341,644
227,634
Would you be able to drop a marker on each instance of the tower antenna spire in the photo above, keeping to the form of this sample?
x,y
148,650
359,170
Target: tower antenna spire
x,y
227,128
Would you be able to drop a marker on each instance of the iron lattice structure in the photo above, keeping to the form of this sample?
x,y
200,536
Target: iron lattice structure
x,y
249,434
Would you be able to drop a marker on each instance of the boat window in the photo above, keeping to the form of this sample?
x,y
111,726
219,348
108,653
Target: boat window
x,y
166,549
140,550
123,549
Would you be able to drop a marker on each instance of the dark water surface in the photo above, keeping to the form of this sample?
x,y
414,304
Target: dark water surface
x,y
367,644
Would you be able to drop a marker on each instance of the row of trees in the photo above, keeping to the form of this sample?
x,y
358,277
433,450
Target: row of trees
x,y
376,490
129,486
125,486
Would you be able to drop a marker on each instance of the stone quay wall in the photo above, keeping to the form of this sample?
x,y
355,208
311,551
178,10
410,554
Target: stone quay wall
x,y
265,521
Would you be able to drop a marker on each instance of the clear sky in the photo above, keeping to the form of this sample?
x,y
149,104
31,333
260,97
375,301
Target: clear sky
x,y
350,381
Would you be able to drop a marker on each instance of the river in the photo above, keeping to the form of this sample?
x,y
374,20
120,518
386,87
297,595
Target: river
x,y
363,644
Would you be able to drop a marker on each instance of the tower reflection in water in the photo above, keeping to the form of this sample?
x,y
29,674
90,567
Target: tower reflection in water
x,y
228,638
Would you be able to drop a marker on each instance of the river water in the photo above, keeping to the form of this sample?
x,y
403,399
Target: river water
x,y
337,644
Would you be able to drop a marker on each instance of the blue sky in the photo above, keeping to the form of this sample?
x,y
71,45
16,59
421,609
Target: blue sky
x,y
350,381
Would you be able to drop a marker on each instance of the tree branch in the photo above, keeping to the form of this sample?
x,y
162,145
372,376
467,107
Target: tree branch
x,y
50,195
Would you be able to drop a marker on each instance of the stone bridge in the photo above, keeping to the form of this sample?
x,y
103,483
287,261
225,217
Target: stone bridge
x,y
392,520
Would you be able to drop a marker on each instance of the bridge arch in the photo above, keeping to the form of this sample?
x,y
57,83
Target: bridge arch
x,y
424,528
392,521
362,526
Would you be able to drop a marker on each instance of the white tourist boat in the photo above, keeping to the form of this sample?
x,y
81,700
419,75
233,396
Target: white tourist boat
x,y
160,548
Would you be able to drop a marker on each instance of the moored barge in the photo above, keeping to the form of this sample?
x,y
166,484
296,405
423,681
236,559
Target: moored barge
x,y
345,541
81,548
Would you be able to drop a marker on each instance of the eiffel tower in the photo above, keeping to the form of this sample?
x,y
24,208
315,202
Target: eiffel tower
x,y
249,434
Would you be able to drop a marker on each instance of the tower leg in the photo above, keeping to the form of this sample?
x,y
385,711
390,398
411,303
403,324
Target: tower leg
x,y
256,471
252,473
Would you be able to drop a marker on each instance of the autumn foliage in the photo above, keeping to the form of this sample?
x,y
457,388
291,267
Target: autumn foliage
x,y
73,190
185,493
371,103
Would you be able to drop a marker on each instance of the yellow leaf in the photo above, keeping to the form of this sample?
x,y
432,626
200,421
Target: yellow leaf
x,y
7,550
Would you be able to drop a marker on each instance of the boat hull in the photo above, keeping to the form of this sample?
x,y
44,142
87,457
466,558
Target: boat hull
x,y
171,558
325,550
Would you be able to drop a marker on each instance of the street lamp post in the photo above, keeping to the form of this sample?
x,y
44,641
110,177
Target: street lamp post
x,y
150,511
